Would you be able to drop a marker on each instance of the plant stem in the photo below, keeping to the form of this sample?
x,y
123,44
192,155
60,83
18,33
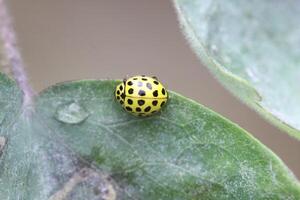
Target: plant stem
x,y
13,55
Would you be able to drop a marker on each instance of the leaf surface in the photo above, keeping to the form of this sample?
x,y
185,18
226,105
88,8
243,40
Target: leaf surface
x,y
79,144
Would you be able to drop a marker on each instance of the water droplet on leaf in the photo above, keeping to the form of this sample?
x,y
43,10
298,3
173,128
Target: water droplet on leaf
x,y
71,113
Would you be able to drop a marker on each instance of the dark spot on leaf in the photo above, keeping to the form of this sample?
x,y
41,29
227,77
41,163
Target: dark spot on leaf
x,y
97,190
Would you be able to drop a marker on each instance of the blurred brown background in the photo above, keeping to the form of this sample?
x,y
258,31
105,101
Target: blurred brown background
x,y
75,39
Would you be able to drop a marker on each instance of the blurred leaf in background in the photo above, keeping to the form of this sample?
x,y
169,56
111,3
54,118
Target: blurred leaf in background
x,y
253,48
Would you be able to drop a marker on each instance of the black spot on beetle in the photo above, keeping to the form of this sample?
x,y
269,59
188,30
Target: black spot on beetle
x,y
118,92
141,102
118,97
140,84
154,103
163,91
149,86
130,91
134,78
147,109
142,93
129,101
121,102
144,79
121,87
162,104
123,95
155,82
138,109
155,93
128,108
129,83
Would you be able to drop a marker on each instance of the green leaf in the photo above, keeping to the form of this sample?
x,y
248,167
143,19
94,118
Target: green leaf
x,y
253,49
80,144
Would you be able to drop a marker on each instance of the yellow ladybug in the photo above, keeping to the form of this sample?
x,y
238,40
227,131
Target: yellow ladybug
x,y
141,95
